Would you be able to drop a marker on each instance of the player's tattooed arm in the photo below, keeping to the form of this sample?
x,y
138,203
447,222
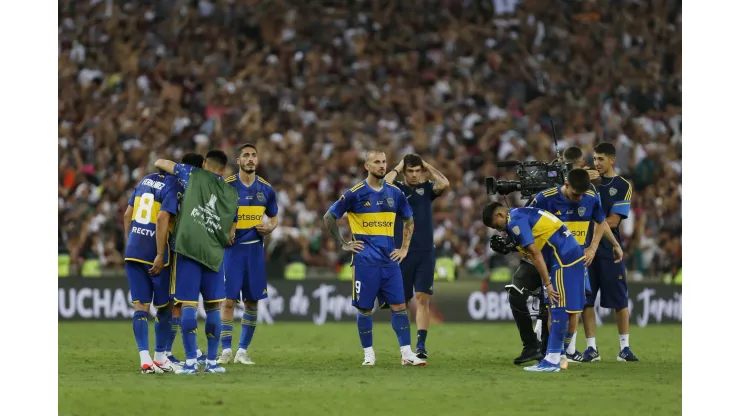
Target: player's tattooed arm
x,y
408,231
165,165
333,227
440,181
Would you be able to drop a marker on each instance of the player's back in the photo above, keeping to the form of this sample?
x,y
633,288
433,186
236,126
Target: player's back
x,y
372,217
577,216
550,234
154,193
255,201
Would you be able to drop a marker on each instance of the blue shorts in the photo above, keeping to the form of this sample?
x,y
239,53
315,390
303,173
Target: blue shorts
x,y
611,279
144,288
417,270
588,284
371,282
245,272
569,281
192,278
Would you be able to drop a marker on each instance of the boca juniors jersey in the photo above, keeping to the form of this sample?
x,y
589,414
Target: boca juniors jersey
x,y
530,225
577,216
372,217
420,199
255,201
156,192
616,198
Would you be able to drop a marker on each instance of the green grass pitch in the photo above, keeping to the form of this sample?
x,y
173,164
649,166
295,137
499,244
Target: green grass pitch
x,y
304,369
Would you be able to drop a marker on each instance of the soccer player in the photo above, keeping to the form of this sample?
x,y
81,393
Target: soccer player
x,y
607,273
244,262
195,160
195,277
553,251
417,268
372,206
147,261
578,207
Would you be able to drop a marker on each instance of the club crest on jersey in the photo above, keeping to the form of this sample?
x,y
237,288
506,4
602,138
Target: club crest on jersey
x,y
420,191
582,211
612,191
515,230
390,202
260,196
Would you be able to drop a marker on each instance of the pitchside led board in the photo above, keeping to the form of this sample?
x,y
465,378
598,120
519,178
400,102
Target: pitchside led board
x,y
326,301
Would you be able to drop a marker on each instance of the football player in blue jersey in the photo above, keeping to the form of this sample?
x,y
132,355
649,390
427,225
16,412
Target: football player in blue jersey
x,y
147,259
579,207
555,252
372,207
244,265
418,267
607,273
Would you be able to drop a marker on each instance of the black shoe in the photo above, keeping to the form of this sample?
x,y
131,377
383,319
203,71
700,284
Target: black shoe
x,y
529,354
422,353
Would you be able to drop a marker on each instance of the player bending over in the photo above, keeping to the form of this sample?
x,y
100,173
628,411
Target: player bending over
x,y
554,252
372,207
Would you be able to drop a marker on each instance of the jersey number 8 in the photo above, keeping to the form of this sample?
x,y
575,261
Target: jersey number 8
x,y
143,214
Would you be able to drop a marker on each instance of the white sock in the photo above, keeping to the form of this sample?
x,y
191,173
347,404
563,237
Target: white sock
x,y
572,346
553,357
198,353
160,357
369,351
212,362
406,349
226,350
241,351
191,361
145,357
167,353
538,330
624,341
591,342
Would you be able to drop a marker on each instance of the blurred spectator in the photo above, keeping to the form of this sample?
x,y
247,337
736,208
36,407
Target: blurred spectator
x,y
314,84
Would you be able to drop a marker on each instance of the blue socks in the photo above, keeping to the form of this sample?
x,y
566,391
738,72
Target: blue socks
x,y
189,331
162,331
141,330
365,328
174,328
213,332
557,335
227,328
421,339
400,323
249,324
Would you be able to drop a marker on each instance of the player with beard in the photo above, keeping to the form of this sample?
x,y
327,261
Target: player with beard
x,y
244,266
372,206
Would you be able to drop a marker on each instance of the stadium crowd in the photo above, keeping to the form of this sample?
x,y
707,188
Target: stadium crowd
x,y
464,83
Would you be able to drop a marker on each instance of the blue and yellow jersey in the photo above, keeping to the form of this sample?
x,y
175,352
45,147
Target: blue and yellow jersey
x,y
577,216
616,197
372,219
255,201
529,225
156,192
420,199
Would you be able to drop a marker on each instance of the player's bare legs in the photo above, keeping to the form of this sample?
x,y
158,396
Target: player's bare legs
x,y
249,325
227,328
213,335
623,325
422,322
141,333
402,327
589,327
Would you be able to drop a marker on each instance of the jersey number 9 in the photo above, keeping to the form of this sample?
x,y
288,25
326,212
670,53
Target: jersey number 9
x,y
143,214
